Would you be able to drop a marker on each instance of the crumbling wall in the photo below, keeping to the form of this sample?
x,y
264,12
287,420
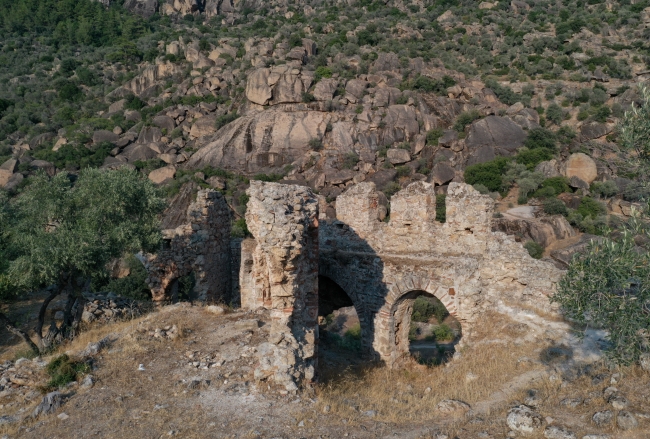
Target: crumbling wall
x,y
384,266
201,246
283,277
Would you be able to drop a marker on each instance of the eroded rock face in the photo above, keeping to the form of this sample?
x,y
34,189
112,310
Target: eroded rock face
x,y
581,166
524,420
493,136
284,278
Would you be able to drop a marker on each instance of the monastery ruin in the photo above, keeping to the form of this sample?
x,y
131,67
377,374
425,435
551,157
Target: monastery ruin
x,y
382,266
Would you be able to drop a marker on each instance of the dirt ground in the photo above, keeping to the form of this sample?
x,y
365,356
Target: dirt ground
x,y
200,384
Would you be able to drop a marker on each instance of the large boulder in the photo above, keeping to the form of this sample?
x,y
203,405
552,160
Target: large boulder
x,y
5,176
493,136
524,420
258,90
324,89
442,173
164,122
582,166
162,175
203,126
100,136
397,156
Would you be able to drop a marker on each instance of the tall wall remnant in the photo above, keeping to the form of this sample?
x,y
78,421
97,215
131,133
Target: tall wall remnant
x,y
201,246
384,266
283,277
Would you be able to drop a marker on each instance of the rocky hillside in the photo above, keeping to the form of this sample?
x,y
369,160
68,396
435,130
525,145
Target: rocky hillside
x,y
520,97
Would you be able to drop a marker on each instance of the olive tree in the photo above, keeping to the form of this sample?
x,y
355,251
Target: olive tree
x,y
634,128
62,232
608,286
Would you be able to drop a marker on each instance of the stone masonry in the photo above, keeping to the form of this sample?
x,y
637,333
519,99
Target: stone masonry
x,y
284,279
200,246
384,266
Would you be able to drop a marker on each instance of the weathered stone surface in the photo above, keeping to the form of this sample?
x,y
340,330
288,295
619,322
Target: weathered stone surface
x,y
556,432
397,156
100,136
582,166
493,136
204,126
524,420
549,168
138,151
382,280
324,89
261,141
626,420
258,90
644,362
162,175
49,404
603,418
4,177
164,122
543,231
201,246
442,173
283,219
594,130
452,406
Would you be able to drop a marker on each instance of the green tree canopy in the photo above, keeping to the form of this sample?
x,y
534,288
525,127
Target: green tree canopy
x,y
64,232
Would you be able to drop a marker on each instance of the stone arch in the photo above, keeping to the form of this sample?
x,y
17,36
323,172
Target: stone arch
x,y
361,306
392,322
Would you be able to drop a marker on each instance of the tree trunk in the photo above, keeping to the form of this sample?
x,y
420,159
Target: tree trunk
x,y
11,327
41,317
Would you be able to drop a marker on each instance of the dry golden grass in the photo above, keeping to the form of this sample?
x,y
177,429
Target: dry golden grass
x,y
401,395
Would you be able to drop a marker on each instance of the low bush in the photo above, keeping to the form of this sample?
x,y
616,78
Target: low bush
x,y
488,174
534,249
590,208
441,208
442,333
532,157
63,370
424,308
239,229
604,189
433,136
559,184
541,138
465,119
553,206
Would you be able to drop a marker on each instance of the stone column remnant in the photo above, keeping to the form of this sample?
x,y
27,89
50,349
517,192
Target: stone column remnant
x,y
283,278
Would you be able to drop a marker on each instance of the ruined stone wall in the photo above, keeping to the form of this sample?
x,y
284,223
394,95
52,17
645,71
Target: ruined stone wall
x,y
201,246
283,277
384,266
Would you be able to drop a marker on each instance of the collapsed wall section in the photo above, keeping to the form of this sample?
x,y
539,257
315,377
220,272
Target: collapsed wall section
x,y
279,271
200,247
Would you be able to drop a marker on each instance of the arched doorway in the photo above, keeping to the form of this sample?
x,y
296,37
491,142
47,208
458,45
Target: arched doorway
x,y
339,325
424,328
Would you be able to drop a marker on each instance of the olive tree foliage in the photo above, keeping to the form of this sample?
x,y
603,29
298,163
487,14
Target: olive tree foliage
x,y
608,287
62,233
634,130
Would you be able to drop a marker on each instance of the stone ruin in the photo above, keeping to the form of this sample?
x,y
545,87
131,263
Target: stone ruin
x,y
200,247
382,266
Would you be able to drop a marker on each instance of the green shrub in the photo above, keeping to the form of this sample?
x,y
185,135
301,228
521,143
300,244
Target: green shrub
x,y
63,370
604,189
308,97
442,333
545,192
553,206
555,114
134,285
350,160
134,103
534,249
481,188
465,119
433,136
403,171
391,189
426,307
488,174
239,228
590,208
559,184
441,208
323,72
607,286
532,157
315,144
541,138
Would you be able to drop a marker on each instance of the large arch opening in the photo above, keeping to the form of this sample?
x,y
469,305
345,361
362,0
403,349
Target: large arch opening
x,y
339,325
425,330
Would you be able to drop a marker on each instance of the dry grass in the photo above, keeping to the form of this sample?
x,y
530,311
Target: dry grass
x,y
401,396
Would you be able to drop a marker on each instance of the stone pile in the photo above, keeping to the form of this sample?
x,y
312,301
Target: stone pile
x,y
106,307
